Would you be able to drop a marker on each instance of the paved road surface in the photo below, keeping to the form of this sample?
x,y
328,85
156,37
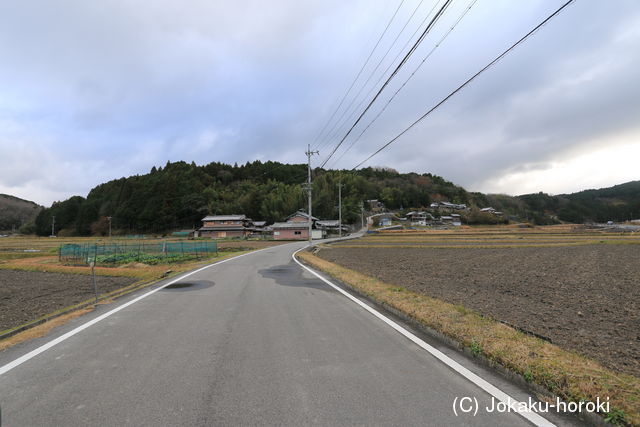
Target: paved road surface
x,y
254,341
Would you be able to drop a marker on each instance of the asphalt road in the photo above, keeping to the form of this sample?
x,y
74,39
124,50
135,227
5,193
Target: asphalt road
x,y
253,341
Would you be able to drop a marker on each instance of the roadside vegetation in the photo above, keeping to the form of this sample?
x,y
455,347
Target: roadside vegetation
x,y
38,291
563,372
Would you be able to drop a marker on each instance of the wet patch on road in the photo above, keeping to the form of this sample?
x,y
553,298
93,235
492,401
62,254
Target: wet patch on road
x,y
189,285
291,275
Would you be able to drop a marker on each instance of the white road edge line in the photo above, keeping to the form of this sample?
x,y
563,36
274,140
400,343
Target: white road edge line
x,y
19,361
531,416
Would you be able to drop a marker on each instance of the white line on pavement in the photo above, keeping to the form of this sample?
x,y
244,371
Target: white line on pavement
x,y
20,360
475,379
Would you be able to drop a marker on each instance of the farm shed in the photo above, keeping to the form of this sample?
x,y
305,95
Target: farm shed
x,y
330,226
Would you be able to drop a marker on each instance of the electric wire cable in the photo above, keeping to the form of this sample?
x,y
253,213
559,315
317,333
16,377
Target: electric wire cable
x,y
393,74
371,74
384,73
462,15
463,85
359,72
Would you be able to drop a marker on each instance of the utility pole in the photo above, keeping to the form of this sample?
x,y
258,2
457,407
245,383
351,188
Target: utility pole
x,y
309,153
340,208
362,214
53,224
109,218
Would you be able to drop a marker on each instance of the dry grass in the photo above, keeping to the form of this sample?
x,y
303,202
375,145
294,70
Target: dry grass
x,y
492,237
565,374
485,246
50,264
42,329
49,245
147,275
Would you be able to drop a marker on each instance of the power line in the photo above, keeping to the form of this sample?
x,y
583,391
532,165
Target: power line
x,y
393,74
462,15
463,85
359,72
371,74
384,73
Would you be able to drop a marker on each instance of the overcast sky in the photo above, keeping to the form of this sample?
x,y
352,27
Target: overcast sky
x,y
95,90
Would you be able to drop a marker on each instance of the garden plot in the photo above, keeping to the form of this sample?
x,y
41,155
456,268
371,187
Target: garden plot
x,y
28,295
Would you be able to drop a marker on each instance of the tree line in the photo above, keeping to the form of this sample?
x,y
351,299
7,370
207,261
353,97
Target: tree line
x,y
180,194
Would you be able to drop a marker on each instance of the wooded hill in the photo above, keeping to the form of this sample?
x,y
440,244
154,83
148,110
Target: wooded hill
x,y
179,194
14,212
618,203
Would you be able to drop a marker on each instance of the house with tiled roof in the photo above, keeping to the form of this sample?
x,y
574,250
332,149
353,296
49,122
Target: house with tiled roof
x,y
220,226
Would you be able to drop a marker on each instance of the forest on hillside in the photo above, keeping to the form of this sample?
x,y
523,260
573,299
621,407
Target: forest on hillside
x,y
14,212
180,194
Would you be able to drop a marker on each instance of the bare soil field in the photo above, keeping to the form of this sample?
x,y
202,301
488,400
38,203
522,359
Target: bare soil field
x,y
28,295
584,298
34,283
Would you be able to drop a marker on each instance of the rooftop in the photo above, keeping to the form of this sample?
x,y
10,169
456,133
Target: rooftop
x,y
328,223
225,218
304,214
296,225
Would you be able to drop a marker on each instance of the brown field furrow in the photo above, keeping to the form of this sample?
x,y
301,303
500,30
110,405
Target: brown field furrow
x,y
28,295
583,298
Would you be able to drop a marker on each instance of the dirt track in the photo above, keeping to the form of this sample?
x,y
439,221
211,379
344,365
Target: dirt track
x,y
583,298
26,295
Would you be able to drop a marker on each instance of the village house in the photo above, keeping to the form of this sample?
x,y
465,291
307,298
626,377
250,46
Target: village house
x,y
446,220
448,207
300,216
296,227
220,226
295,230
419,217
379,218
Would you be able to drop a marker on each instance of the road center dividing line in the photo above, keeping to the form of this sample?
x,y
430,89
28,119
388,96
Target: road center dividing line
x,y
19,361
531,416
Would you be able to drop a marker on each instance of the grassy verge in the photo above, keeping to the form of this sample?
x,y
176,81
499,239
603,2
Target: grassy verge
x,y
565,374
42,329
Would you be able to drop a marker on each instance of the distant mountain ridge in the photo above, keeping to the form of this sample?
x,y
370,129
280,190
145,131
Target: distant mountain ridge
x,y
180,194
618,203
15,212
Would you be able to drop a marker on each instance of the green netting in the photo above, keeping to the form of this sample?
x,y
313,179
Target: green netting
x,y
143,252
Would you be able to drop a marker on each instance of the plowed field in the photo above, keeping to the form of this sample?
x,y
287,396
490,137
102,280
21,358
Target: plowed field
x,y
584,298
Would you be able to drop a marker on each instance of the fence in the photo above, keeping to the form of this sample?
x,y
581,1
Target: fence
x,y
110,253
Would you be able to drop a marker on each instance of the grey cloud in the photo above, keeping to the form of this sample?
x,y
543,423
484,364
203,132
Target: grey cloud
x,y
111,89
